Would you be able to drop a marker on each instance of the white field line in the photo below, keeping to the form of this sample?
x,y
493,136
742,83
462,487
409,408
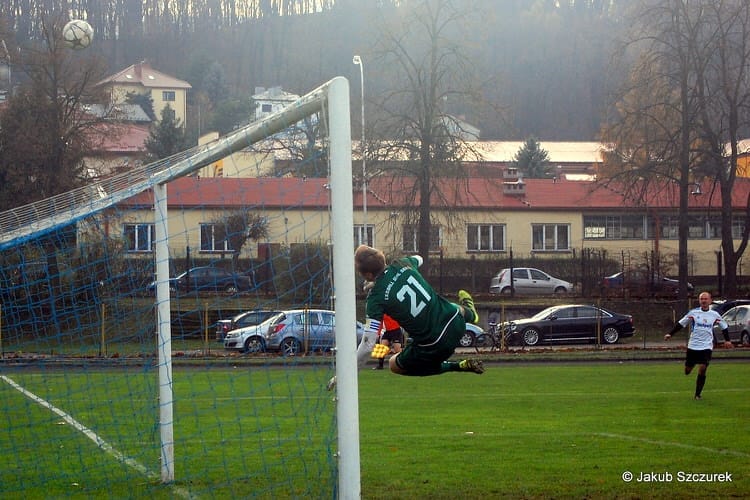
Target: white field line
x,y
101,443
717,451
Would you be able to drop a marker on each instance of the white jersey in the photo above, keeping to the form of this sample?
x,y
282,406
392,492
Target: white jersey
x,y
701,325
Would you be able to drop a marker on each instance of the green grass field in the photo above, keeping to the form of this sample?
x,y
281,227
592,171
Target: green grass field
x,y
536,430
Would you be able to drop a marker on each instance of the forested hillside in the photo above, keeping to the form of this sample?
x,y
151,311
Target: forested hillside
x,y
545,64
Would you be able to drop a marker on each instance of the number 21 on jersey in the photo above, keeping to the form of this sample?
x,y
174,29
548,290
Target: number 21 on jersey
x,y
416,293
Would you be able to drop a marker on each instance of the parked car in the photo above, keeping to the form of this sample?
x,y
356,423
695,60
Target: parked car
x,y
208,278
247,318
571,322
470,336
639,282
738,321
722,306
290,332
527,280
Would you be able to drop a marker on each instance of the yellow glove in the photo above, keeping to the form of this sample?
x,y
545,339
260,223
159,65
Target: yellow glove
x,y
379,351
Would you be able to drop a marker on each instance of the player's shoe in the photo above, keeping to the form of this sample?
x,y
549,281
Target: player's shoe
x,y
472,365
464,298
331,384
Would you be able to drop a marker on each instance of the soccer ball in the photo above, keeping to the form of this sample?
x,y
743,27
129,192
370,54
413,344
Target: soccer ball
x,y
77,34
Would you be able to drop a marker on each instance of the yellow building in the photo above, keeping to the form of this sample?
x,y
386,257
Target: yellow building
x,y
471,217
141,78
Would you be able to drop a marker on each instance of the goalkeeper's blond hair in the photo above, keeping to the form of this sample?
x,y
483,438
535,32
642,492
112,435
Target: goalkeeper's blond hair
x,y
369,260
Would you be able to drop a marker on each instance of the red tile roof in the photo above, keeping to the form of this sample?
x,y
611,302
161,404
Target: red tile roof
x,y
483,194
115,137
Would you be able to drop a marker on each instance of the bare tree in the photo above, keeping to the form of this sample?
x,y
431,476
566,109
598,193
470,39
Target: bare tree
x,y
662,103
239,226
428,66
46,129
723,91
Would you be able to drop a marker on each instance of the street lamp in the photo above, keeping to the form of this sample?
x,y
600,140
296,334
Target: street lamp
x,y
7,60
358,61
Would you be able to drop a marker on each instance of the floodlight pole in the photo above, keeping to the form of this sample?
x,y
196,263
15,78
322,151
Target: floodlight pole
x,y
7,60
358,61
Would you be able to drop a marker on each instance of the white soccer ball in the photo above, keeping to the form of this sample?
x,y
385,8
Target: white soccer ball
x,y
77,34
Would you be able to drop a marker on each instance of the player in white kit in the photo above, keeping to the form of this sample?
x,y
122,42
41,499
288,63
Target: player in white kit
x,y
701,343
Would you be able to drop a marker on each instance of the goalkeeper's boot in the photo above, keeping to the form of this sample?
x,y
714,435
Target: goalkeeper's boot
x,y
464,298
472,365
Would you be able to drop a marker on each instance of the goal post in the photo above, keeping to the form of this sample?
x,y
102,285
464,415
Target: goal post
x,y
66,322
344,290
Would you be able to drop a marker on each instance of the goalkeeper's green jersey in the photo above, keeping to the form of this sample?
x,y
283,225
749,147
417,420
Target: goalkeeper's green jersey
x,y
402,293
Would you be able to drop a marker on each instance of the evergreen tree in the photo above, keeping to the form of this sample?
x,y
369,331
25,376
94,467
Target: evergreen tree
x,y
144,101
531,160
167,137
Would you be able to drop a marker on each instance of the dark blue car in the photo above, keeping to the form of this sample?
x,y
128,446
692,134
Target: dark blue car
x,y
208,278
571,323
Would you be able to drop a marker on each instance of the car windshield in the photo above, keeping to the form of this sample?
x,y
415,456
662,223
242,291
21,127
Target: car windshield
x,y
544,313
253,317
275,318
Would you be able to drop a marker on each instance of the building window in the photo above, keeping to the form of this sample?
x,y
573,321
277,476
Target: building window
x,y
410,238
594,227
485,237
213,239
168,96
738,226
266,108
714,228
696,227
359,235
669,228
613,227
139,237
550,237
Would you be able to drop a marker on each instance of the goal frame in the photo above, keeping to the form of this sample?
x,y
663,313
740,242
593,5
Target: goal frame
x,y
331,99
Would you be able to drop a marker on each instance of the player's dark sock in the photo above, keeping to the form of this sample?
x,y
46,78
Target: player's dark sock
x,y
380,363
700,381
449,366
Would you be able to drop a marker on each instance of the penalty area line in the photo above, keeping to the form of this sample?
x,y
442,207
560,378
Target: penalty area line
x,y
673,444
93,436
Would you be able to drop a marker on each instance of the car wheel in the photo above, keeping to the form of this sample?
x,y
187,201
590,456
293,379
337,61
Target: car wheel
x,y
254,344
610,335
290,346
467,339
506,291
745,338
531,336
231,289
561,290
